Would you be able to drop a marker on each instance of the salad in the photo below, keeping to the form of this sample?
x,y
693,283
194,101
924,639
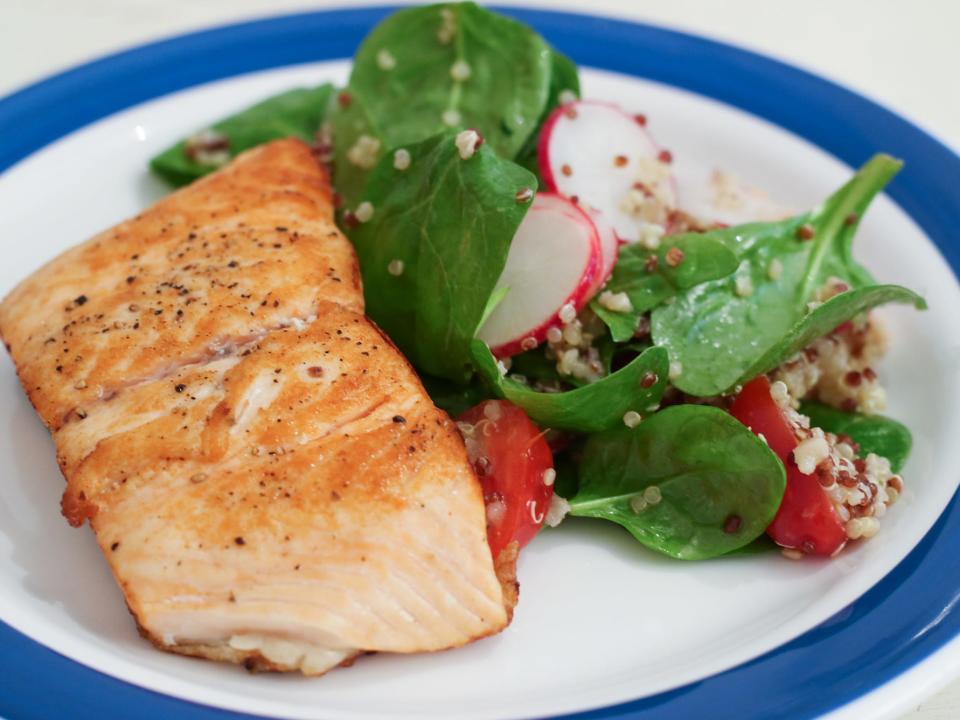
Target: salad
x,y
608,352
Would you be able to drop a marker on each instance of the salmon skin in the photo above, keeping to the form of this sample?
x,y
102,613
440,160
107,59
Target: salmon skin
x,y
262,468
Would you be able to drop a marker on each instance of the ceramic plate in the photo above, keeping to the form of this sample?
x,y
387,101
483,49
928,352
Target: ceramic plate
x,y
603,626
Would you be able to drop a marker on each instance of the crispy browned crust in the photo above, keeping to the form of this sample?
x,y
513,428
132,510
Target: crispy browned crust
x,y
97,403
506,568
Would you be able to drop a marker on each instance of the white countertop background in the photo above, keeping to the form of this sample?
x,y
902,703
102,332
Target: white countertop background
x,y
904,55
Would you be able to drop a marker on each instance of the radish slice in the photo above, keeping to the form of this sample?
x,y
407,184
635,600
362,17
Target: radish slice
x,y
609,248
554,261
604,157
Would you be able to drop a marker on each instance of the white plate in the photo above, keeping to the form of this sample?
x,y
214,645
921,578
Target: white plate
x,y
600,619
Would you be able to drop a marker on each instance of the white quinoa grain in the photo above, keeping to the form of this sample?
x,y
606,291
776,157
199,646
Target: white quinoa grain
x,y
495,512
554,335
810,453
492,410
676,369
528,343
743,286
638,504
386,60
780,394
632,418
401,159
567,96
567,313
557,511
395,267
650,235
791,554
460,71
450,118
864,527
573,333
615,302
467,143
364,212
363,153
774,269
549,476
652,495
448,26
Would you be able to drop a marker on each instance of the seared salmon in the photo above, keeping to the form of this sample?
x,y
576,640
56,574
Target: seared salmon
x,y
263,470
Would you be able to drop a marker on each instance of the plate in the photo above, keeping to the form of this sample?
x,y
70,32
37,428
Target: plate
x,y
603,626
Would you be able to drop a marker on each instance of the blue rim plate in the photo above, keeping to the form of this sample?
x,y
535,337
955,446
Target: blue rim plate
x,y
902,620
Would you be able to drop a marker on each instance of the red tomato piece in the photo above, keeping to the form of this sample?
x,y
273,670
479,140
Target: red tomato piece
x,y
515,467
807,519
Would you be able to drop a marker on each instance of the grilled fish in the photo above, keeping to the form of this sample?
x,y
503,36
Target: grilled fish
x,y
263,470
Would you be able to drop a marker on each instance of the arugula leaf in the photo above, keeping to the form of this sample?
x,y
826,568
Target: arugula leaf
x,y
874,433
295,113
590,408
484,70
719,485
727,330
449,221
704,258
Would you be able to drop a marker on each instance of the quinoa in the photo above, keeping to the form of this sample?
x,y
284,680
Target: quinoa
x,y
860,488
838,369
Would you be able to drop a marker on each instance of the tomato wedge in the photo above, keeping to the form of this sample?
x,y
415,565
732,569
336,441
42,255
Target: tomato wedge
x,y
515,467
806,520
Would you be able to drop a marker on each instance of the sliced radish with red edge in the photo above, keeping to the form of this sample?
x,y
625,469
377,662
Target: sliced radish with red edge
x,y
609,248
605,158
554,262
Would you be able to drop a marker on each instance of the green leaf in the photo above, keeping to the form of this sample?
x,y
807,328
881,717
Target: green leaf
x,y
450,222
708,469
563,79
704,258
727,330
873,433
451,397
826,317
295,113
590,408
403,102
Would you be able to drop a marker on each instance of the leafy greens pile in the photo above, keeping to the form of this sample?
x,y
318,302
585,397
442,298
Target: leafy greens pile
x,y
422,75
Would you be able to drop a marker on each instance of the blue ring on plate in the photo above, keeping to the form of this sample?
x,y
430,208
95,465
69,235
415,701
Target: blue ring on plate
x,y
899,622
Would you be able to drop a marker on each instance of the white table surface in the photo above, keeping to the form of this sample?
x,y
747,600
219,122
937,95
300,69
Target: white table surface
x,y
905,55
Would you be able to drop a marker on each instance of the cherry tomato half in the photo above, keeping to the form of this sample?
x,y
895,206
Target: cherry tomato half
x,y
515,467
806,520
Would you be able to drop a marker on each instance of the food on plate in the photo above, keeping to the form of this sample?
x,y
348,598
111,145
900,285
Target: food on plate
x,y
646,310
263,470
267,474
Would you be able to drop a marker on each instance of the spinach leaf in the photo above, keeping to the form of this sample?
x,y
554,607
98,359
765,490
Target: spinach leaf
x,y
451,397
590,408
875,434
719,486
826,317
295,113
563,79
424,70
435,246
648,283
727,330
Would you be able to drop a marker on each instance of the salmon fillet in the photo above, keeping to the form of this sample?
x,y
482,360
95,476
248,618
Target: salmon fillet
x,y
263,470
